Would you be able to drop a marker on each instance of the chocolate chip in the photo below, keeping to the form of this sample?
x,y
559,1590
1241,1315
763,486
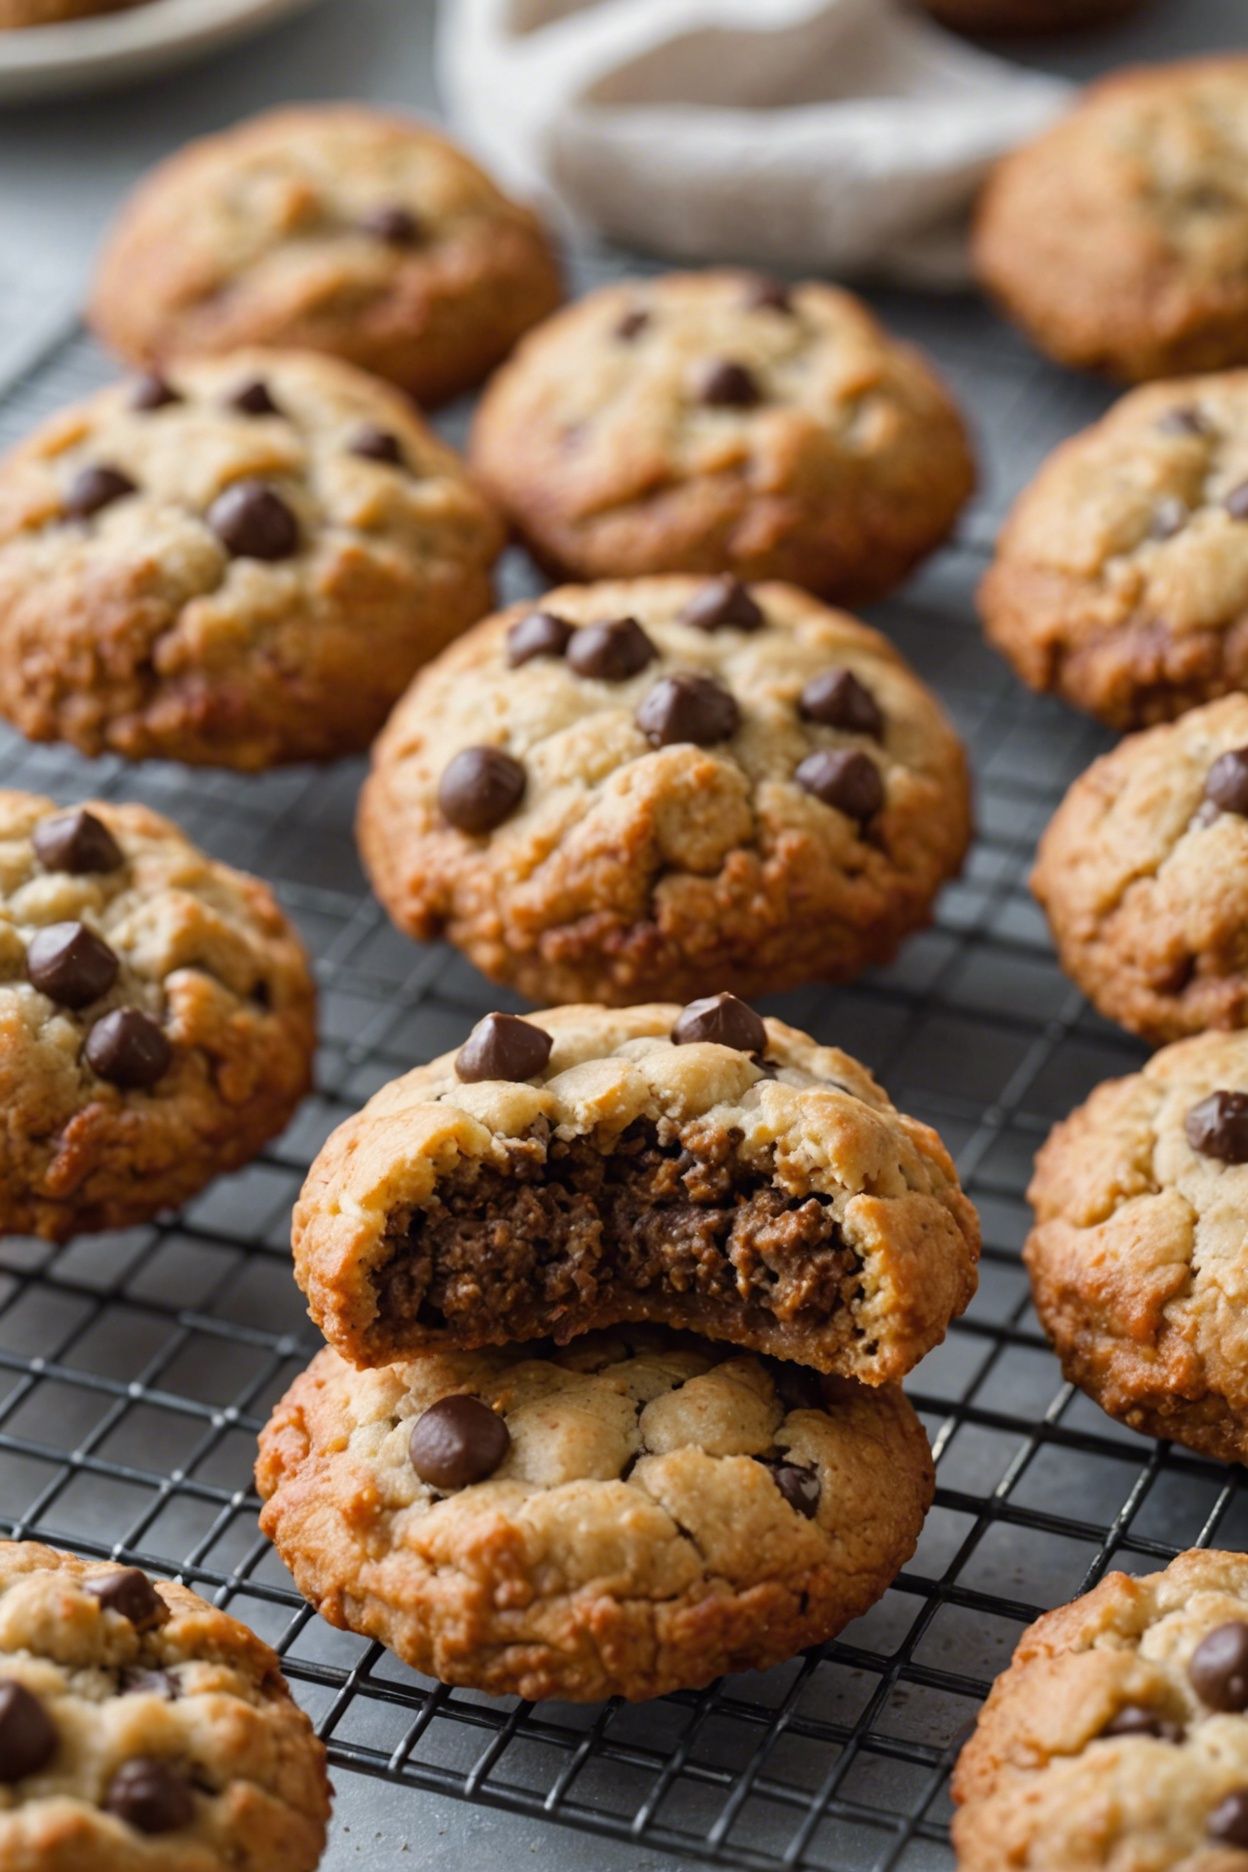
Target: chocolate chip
x,y
1218,1127
96,487
799,1486
1226,783
480,788
1218,1668
395,225
502,1046
77,842
153,392
1237,502
1170,516
456,1442
254,399
128,1050
27,1736
837,699
686,707
1136,1719
725,384
1185,419
1229,1820
161,1683
724,1020
723,604
254,522
540,634
631,325
379,445
70,964
843,778
129,1592
150,1795
612,651
764,294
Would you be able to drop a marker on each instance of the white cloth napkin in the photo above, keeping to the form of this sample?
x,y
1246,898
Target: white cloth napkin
x,y
830,135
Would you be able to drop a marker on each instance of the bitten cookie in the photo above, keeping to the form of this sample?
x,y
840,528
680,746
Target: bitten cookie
x,y
333,228
638,1513
721,422
1143,873
1137,1255
240,563
156,1017
1117,238
1121,576
1026,16
660,786
1116,1739
703,1168
143,1730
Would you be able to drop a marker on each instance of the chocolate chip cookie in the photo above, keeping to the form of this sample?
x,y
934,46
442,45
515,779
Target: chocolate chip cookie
x,y
240,562
1143,874
1121,577
637,1513
648,788
156,1016
723,422
1116,1738
143,1730
1137,1255
1117,238
700,1167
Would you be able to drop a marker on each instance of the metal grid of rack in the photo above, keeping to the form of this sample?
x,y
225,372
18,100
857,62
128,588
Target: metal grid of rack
x,y
136,1368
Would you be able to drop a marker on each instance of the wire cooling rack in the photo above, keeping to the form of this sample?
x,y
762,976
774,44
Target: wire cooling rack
x,y
136,1368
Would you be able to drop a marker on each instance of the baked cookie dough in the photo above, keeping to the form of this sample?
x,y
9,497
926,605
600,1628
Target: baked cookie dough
x,y
1121,577
699,1167
1116,1738
239,563
144,1730
1117,239
659,786
1137,1255
1143,874
722,422
637,1513
332,228
156,1017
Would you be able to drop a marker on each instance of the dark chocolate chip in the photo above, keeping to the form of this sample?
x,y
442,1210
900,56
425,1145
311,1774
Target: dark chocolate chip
x,y
458,1441
153,392
1226,783
1136,1719
764,294
1185,419
799,1486
631,325
252,521
1218,1127
502,1046
94,488
129,1592
1229,1820
723,1020
687,707
161,1683
77,842
723,604
1237,502
480,788
128,1050
150,1795
70,964
254,399
377,444
612,651
1170,516
843,778
837,699
1218,1668
27,1735
725,384
395,225
540,634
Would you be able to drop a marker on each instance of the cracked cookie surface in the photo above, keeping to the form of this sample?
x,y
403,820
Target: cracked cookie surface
x,y
790,817
1121,576
759,1188
1118,238
1137,1256
658,1510
144,1730
172,1029
718,422
1143,874
334,229
241,563
1116,1741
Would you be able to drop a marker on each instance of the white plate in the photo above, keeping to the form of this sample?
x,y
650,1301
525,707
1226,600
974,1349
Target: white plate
x,y
109,48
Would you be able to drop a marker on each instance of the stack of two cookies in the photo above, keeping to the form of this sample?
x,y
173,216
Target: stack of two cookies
x,y
515,1464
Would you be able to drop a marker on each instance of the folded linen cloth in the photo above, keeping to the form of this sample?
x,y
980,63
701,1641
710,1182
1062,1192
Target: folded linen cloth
x,y
831,135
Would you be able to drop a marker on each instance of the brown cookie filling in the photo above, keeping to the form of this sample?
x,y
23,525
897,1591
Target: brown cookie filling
x,y
567,1237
